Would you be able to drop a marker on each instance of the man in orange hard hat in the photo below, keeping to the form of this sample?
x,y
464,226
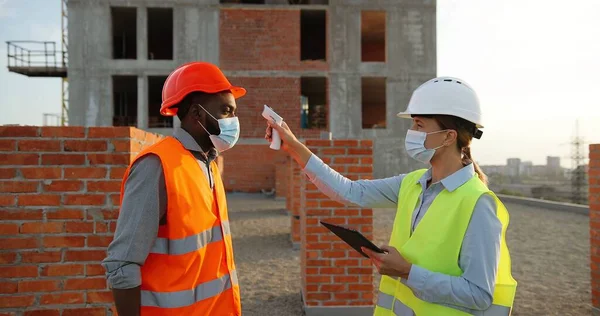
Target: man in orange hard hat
x,y
172,251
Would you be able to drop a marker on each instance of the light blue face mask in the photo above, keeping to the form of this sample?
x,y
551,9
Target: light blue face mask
x,y
229,135
414,144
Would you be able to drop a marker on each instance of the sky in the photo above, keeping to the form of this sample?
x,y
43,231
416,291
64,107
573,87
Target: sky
x,y
535,65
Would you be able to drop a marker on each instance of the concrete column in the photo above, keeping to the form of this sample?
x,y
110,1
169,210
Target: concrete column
x,y
142,102
142,33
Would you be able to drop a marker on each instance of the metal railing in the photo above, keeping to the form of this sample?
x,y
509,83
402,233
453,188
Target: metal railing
x,y
29,54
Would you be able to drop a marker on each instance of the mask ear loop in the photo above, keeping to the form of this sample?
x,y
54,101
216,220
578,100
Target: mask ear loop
x,y
442,145
201,123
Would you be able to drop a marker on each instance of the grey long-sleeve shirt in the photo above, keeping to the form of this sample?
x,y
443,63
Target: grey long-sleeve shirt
x,y
143,209
471,292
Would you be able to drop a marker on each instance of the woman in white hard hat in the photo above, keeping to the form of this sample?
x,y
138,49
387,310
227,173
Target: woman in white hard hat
x,y
454,261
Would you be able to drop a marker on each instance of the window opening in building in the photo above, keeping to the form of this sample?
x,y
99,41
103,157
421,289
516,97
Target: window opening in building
x,y
124,29
155,120
372,36
313,34
292,2
313,102
244,1
160,33
125,99
373,102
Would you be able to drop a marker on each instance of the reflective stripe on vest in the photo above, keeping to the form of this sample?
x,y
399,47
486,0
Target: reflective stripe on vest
x,y
188,244
185,298
387,301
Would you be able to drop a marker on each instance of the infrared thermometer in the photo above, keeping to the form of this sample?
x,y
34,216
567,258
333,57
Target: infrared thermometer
x,y
270,115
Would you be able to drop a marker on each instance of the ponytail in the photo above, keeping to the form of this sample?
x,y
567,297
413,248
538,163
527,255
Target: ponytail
x,y
467,159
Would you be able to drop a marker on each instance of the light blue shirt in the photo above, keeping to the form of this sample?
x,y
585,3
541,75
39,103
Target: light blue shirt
x,y
472,292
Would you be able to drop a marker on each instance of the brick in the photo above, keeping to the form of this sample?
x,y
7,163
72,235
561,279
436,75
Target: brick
x,y
104,186
115,199
346,160
63,186
42,228
19,243
360,220
45,145
109,132
332,271
117,172
90,311
63,241
85,255
346,296
318,296
94,269
39,200
20,214
18,186
360,287
333,151
345,143
366,161
63,132
85,173
85,145
318,279
8,173
62,270
366,143
22,271
94,297
9,229
41,173
85,284
64,214
121,145
63,159
19,131
333,287
84,199
8,145
19,159
7,200
16,301
347,212
43,312
360,151
103,214
62,298
7,287
79,227
7,257
109,159
345,279
99,241
360,270
40,257
38,286
101,227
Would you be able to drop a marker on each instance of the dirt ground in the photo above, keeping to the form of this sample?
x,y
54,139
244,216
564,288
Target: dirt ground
x,y
549,250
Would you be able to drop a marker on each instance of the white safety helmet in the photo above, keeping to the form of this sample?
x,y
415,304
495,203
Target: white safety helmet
x,y
446,96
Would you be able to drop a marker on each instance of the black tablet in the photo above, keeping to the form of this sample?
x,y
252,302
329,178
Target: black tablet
x,y
353,238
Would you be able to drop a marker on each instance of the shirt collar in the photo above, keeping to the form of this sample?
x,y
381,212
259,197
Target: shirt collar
x,y
190,143
453,181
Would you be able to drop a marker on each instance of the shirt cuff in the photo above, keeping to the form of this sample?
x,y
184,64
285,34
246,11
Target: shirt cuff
x,y
313,166
125,277
416,279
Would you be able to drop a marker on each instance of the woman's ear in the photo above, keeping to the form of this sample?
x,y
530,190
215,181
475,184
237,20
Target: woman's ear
x,y
451,137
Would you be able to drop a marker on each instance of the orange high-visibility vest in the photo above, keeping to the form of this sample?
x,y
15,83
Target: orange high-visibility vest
x,y
190,269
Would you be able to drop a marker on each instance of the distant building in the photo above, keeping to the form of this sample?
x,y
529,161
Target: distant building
x,y
526,168
513,167
553,162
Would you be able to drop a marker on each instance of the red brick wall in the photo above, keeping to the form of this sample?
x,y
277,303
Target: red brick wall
x,y
59,193
333,274
252,39
594,203
251,168
294,199
281,177
282,94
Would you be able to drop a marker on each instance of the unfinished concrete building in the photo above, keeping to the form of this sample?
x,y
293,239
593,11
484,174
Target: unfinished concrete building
x,y
339,66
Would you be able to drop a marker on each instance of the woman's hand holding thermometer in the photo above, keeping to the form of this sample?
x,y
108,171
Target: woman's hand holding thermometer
x,y
270,115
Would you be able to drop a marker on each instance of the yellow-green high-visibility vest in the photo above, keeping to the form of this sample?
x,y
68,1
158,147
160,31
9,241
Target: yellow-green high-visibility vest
x,y
435,245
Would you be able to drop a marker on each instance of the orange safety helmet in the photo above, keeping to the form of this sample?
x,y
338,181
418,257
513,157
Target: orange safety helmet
x,y
194,76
